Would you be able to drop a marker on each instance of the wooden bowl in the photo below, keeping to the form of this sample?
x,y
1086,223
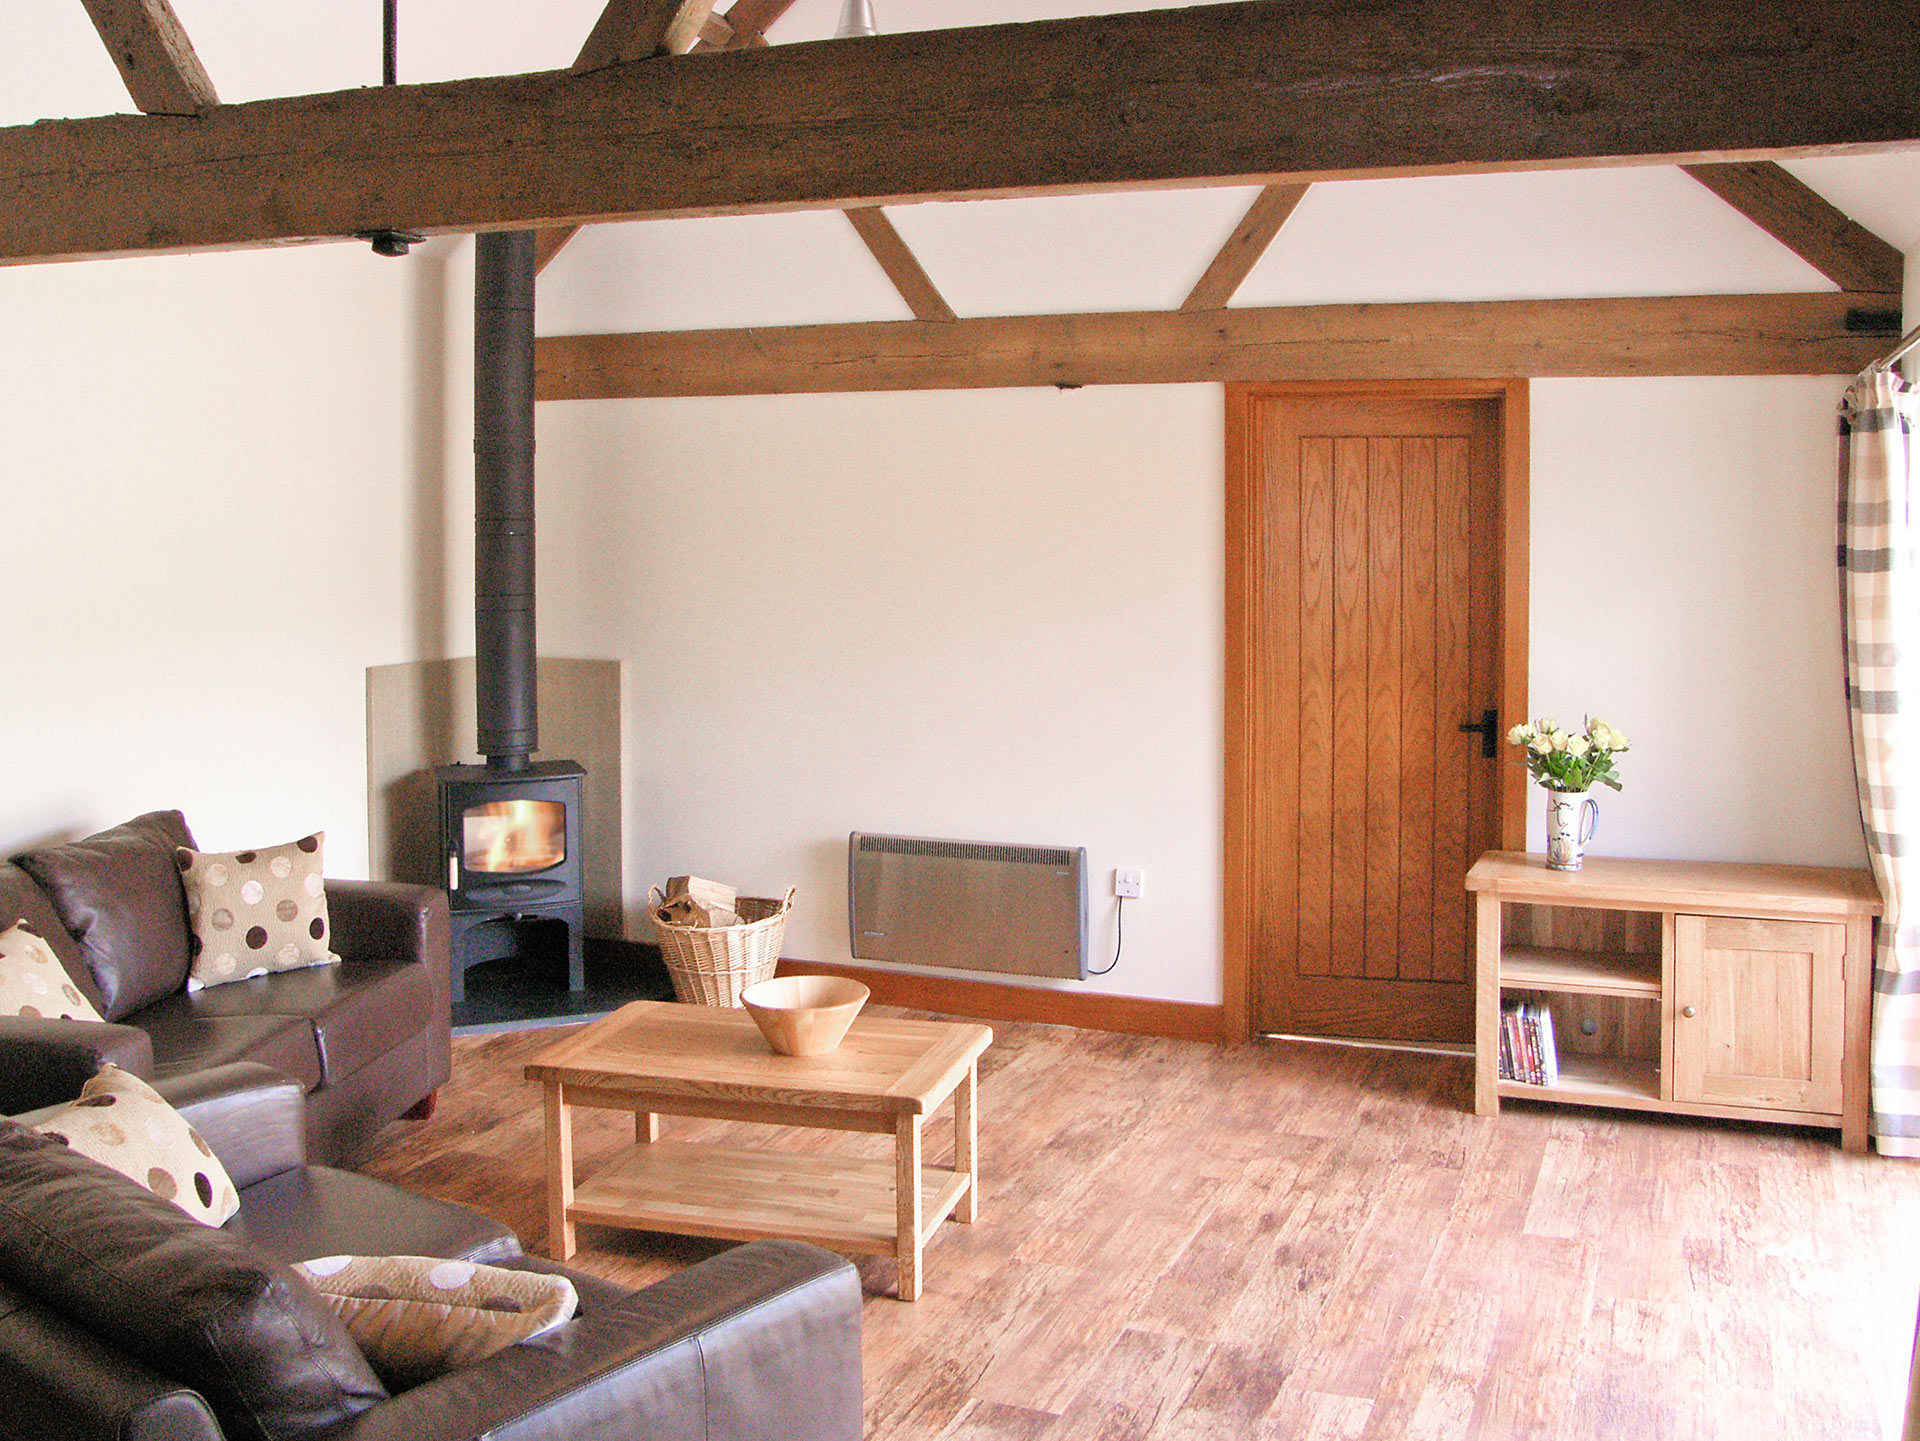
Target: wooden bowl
x,y
804,1015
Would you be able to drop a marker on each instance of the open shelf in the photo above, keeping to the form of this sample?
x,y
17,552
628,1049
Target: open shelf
x,y
1594,973
1597,1080
842,1203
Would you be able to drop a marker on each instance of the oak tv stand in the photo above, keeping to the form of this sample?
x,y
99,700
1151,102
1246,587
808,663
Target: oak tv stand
x,y
1696,987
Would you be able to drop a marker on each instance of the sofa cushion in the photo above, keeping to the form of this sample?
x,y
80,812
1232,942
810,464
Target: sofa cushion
x,y
186,1040
360,1011
596,1296
122,1122
194,1303
317,1211
22,900
119,896
418,1317
34,983
257,911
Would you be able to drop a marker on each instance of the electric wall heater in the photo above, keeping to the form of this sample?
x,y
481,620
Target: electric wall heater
x,y
968,905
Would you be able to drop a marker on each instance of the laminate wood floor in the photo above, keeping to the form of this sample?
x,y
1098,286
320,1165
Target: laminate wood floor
x,y
1289,1240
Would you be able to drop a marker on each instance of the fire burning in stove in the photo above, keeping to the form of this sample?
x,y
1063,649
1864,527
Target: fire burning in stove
x,y
507,837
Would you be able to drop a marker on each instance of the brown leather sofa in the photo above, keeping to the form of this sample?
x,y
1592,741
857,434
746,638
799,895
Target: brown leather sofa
x,y
367,1040
762,1341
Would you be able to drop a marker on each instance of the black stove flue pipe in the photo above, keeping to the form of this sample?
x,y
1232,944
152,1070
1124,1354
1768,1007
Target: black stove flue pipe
x,y
506,688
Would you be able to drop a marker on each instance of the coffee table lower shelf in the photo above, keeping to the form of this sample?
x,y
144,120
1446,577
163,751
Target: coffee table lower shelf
x,y
843,1203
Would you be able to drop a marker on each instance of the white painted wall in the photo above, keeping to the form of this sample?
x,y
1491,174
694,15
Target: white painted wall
x,y
864,596
990,615
997,616
208,477
1684,588
984,614
1910,304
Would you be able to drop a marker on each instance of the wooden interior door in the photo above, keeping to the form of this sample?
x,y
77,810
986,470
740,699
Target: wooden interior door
x,y
1756,1012
1373,600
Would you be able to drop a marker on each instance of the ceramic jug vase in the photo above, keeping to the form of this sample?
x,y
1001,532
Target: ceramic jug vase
x,y
1572,817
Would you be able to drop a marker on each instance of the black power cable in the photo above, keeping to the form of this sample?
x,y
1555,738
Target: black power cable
x,y
1119,934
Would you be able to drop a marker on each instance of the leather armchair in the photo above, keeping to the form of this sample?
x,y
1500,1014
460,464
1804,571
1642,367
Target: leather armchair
x,y
762,1341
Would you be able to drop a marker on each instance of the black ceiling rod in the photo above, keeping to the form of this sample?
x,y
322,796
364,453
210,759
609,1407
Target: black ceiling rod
x,y
390,242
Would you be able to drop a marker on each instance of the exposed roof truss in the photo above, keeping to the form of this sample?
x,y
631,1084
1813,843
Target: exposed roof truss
x,y
1268,91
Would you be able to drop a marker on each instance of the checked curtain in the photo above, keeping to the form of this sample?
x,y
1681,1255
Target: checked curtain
x,y
1880,610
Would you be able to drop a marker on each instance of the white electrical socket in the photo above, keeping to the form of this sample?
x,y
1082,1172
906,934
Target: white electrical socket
x,y
1126,884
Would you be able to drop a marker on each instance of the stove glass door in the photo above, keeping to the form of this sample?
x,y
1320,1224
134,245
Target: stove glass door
x,y
514,837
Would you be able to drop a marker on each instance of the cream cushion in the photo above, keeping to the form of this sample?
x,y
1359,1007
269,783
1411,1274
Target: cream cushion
x,y
34,983
417,1317
257,911
122,1122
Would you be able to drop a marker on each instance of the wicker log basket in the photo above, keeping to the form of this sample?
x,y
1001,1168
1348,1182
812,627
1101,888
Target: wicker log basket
x,y
711,966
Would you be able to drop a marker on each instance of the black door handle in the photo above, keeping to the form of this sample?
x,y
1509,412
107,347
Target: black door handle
x,y
1489,728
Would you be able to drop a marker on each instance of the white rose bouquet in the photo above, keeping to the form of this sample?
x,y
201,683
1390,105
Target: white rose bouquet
x,y
1568,760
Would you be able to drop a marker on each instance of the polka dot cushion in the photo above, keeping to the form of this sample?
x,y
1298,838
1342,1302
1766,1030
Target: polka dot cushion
x,y
34,983
253,912
417,1317
122,1122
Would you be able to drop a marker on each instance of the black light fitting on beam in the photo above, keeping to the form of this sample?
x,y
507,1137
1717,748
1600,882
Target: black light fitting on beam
x,y
390,243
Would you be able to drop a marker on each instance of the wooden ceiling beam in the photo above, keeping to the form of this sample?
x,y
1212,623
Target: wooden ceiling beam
x,y
629,30
1249,241
1796,215
714,33
902,266
155,58
1793,334
1265,91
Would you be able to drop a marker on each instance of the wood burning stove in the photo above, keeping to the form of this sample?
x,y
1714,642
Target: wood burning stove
x,y
512,846
509,829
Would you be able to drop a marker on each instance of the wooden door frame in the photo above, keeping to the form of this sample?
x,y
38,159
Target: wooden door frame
x,y
1247,641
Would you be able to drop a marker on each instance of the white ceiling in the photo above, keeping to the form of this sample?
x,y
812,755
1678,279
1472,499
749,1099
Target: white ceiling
x,y
1595,232
1141,250
1650,230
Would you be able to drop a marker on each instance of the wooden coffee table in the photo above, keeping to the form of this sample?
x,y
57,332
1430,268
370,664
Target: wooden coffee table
x,y
654,1057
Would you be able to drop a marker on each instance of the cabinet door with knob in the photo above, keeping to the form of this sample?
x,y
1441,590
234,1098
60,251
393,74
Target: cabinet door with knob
x,y
1755,1012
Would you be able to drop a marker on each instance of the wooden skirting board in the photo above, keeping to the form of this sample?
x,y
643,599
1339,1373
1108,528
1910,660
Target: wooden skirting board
x,y
993,1001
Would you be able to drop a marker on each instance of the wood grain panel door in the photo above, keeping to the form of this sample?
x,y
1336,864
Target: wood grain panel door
x,y
1756,1012
1375,608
